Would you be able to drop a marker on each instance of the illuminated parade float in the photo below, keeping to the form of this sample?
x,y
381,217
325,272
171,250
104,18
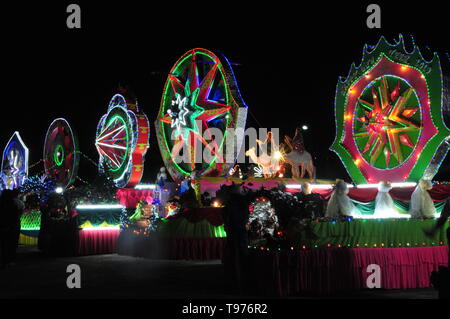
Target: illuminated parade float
x,y
304,234
200,94
391,138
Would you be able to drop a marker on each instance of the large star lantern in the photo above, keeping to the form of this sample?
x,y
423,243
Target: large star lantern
x,y
199,94
388,115
387,123
179,117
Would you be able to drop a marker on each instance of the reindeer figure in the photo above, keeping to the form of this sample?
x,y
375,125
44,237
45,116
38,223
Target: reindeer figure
x,y
268,164
296,155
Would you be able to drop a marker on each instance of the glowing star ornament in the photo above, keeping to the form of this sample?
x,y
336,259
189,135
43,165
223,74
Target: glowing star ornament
x,y
14,162
178,118
200,94
389,124
381,127
122,141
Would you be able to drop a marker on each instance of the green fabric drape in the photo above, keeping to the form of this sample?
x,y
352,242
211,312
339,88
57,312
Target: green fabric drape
x,y
181,228
401,206
98,216
386,233
365,208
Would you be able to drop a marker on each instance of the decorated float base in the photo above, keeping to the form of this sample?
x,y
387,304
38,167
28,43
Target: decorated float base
x,y
328,270
28,237
99,230
98,241
30,223
195,234
339,259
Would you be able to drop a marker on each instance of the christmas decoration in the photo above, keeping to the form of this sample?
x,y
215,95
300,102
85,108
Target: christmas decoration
x,y
269,162
389,115
263,222
421,203
57,208
143,220
384,204
339,203
200,93
40,186
172,208
14,163
294,154
61,153
258,171
235,172
122,141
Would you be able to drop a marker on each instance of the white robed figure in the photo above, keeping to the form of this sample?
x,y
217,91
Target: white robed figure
x,y
384,204
421,203
340,204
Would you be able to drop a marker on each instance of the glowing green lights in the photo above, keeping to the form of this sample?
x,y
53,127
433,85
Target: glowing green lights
x,y
58,155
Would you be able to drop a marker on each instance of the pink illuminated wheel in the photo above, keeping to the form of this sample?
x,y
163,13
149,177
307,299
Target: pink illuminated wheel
x,y
61,156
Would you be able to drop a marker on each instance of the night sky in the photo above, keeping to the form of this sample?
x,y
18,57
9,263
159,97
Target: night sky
x,y
289,60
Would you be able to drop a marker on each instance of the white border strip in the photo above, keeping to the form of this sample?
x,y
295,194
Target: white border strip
x,y
113,206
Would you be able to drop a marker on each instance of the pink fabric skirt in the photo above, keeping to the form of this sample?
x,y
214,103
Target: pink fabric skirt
x,y
342,269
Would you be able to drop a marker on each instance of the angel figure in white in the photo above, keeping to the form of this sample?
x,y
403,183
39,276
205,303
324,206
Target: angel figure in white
x,y
384,204
421,203
340,204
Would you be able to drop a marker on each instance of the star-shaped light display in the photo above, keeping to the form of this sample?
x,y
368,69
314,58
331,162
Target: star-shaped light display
x,y
197,97
179,117
389,124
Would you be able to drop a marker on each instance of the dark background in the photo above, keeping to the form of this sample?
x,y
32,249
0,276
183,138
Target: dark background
x,y
289,55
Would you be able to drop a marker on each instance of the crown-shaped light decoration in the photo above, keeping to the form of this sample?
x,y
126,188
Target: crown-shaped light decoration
x,y
14,170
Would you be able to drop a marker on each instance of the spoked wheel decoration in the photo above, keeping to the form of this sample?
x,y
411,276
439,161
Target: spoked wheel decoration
x,y
388,116
387,122
61,155
122,141
200,99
